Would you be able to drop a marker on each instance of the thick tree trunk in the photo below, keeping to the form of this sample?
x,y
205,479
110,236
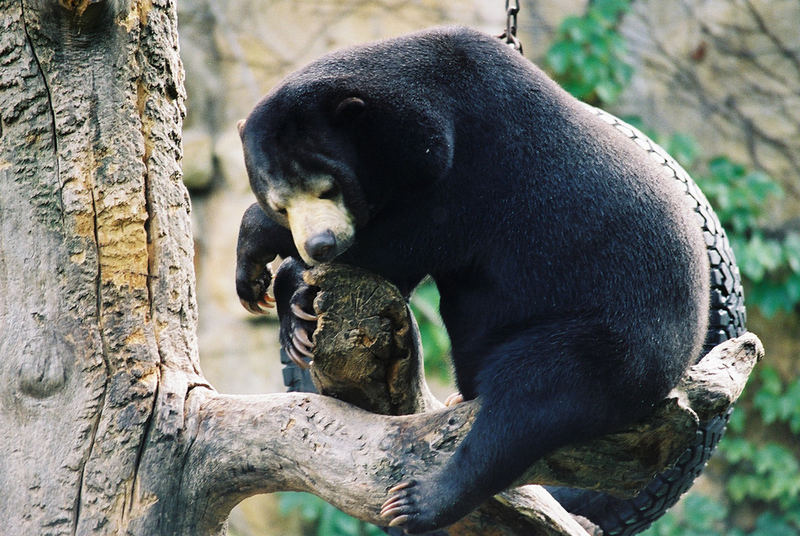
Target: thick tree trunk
x,y
97,348
112,428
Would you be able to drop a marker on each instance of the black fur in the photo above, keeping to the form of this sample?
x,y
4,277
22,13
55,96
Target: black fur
x,y
573,280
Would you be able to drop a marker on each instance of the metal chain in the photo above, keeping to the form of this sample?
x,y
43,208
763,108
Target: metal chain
x,y
510,35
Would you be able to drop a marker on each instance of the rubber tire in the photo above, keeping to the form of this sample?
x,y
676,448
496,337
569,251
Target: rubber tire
x,y
295,378
726,319
727,316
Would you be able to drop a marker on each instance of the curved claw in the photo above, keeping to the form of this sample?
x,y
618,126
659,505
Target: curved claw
x,y
302,315
252,308
394,499
264,305
299,361
399,520
402,485
397,497
453,399
302,349
390,509
302,336
393,512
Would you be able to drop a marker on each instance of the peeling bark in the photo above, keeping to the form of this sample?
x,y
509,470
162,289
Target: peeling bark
x,y
112,427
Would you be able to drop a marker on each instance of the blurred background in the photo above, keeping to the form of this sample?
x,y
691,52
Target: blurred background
x,y
716,82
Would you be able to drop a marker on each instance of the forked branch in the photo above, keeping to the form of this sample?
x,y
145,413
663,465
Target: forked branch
x,y
367,353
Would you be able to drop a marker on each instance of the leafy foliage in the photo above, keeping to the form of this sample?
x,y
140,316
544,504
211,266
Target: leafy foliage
x,y
588,55
769,261
704,516
763,472
778,401
763,475
322,518
435,342
743,199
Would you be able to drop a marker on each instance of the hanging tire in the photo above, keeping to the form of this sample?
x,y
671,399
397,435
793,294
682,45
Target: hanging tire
x,y
624,517
296,379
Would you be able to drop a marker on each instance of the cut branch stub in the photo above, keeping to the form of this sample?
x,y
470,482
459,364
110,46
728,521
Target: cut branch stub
x,y
368,342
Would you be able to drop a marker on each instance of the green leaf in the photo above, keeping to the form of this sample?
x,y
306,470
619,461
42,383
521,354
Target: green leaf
x,y
611,9
724,169
435,341
736,424
574,28
771,297
580,89
599,47
623,73
587,57
791,247
594,71
616,44
561,55
607,91
792,396
768,524
736,450
703,512
770,381
683,148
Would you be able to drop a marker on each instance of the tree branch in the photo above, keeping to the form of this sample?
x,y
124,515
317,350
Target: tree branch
x,y
367,351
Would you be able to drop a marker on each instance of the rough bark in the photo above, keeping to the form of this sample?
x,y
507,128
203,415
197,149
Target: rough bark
x,y
97,347
112,427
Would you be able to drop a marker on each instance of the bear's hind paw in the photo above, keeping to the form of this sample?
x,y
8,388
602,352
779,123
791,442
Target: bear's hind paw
x,y
403,508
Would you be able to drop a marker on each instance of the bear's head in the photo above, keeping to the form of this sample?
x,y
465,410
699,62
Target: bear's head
x,y
338,142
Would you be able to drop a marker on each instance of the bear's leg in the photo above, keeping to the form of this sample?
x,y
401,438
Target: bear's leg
x,y
295,300
260,240
530,405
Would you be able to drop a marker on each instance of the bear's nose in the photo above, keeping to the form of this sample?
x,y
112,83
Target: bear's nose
x,y
321,247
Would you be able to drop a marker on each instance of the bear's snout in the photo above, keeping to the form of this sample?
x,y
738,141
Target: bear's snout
x,y
321,247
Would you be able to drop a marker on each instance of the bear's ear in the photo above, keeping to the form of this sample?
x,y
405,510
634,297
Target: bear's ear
x,y
240,126
349,108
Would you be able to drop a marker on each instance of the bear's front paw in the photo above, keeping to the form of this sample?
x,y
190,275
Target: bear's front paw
x,y
296,312
252,287
415,506
300,324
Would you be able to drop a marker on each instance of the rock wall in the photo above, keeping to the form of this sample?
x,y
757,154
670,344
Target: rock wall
x,y
727,72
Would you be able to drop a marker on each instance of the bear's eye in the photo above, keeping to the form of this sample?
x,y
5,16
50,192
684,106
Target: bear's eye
x,y
331,192
277,208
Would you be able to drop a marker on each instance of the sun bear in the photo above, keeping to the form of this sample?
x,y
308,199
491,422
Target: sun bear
x,y
573,277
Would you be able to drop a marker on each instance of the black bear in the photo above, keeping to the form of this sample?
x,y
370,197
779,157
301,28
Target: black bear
x,y
573,277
